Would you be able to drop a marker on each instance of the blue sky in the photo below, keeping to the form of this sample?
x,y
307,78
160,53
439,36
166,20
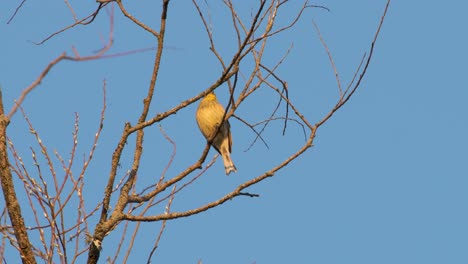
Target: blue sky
x,y
386,180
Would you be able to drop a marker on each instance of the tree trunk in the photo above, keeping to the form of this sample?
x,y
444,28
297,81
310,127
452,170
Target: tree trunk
x,y
11,202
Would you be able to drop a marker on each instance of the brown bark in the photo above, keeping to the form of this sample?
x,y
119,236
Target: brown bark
x,y
11,201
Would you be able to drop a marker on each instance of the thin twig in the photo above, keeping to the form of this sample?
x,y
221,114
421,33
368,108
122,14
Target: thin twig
x,y
92,16
330,58
16,11
163,226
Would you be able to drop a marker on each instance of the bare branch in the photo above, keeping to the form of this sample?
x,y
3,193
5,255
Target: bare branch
x,y
16,11
140,24
342,101
325,46
44,73
163,226
9,194
91,18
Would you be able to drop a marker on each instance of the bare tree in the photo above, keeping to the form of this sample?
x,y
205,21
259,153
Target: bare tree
x,y
53,190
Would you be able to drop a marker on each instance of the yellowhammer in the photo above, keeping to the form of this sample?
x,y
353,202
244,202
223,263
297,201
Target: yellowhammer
x,y
209,117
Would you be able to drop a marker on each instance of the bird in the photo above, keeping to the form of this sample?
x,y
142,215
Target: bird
x,y
209,117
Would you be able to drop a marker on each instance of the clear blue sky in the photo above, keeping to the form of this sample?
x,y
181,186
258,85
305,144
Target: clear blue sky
x,y
386,181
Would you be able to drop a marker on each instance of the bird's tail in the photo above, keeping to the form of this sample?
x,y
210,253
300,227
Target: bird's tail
x,y
228,164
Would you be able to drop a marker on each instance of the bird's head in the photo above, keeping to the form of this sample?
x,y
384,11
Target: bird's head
x,y
210,96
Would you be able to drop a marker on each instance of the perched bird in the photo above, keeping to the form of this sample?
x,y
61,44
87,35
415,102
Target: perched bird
x,y
210,119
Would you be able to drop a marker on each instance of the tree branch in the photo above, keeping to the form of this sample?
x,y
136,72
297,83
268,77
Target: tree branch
x,y
9,194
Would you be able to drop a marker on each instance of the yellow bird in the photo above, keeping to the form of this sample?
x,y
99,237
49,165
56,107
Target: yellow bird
x,y
209,117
